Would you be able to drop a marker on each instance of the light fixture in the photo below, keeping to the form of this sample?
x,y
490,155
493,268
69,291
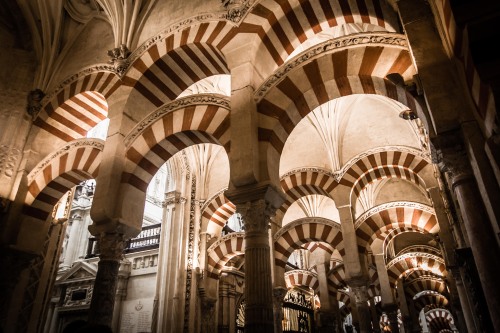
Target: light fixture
x,y
408,115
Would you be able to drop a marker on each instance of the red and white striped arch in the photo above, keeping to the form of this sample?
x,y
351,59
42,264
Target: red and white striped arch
x,y
336,280
376,223
77,107
174,131
364,170
343,296
175,61
313,246
59,172
223,250
282,26
216,213
299,277
407,263
304,88
430,298
439,319
295,234
300,183
420,284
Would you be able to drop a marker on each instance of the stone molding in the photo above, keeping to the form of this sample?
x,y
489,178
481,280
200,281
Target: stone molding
x,y
329,46
172,106
172,198
224,239
408,249
89,142
395,204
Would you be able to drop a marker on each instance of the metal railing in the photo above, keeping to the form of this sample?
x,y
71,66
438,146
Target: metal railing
x,y
148,238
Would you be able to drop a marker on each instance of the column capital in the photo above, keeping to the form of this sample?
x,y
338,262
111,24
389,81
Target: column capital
x,y
172,198
279,293
111,246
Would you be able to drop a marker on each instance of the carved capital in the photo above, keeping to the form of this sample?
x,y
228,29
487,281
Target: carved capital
x,y
256,215
34,102
172,198
119,56
111,246
279,294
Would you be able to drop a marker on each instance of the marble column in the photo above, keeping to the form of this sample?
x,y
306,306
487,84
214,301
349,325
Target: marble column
x,y
375,317
257,204
388,302
464,302
103,297
328,315
360,292
403,306
481,237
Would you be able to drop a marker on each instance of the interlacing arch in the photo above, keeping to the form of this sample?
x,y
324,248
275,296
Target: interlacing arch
x,y
299,277
167,64
368,168
282,26
59,172
169,130
78,104
395,217
302,231
405,264
303,182
223,250
216,212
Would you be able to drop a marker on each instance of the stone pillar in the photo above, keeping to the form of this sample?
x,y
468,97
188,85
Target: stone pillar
x,y
208,305
464,303
388,302
403,306
482,240
227,304
423,321
352,262
328,316
360,292
279,294
111,246
257,204
375,317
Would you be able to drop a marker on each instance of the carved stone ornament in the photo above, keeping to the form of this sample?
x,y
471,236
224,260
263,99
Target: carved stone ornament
x,y
360,294
172,198
111,246
34,102
256,215
455,163
119,57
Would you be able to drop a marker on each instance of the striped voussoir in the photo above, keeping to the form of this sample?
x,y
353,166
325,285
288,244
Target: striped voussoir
x,y
172,64
343,296
313,246
74,111
480,92
373,291
394,220
399,266
217,212
282,26
171,133
420,248
306,87
439,319
417,285
304,278
336,280
294,235
430,298
344,312
223,250
306,182
384,164
59,172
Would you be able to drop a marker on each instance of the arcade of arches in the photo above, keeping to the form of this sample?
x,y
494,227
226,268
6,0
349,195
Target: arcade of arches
x,y
249,166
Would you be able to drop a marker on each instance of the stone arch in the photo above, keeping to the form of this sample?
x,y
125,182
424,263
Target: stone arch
x,y
407,263
374,224
302,231
216,212
284,26
78,104
299,277
220,252
59,172
367,168
417,285
430,297
336,280
170,62
440,319
299,183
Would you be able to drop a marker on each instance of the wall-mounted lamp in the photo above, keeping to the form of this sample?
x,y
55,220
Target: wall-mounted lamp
x,y
408,115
